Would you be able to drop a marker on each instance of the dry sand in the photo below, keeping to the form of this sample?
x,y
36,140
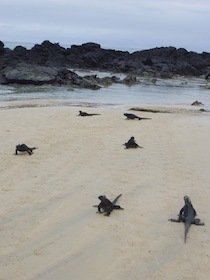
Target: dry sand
x,y
48,227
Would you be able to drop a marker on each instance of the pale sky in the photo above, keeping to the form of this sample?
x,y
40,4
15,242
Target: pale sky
x,y
117,24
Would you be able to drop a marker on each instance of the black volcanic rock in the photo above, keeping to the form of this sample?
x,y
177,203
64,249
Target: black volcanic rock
x,y
38,75
2,50
197,103
50,59
29,74
48,54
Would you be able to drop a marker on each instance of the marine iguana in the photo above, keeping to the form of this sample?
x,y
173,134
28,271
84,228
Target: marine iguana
x,y
107,205
132,117
24,148
131,144
187,215
84,114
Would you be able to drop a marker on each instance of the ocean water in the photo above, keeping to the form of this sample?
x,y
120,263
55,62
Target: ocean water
x,y
12,45
181,92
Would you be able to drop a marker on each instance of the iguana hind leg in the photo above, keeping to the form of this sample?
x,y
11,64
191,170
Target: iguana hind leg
x,y
198,222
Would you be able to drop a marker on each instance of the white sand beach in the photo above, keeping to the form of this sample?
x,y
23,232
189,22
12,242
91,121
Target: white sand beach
x,y
49,229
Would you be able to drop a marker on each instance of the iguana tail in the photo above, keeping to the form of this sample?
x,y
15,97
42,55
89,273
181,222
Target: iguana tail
x,y
187,227
144,118
116,199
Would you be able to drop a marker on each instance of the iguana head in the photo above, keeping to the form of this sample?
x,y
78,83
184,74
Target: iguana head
x,y
186,199
102,197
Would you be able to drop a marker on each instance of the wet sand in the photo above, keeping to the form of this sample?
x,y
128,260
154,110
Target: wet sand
x,y
49,229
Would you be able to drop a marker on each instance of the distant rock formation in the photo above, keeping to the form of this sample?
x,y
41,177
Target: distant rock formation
x,y
49,63
197,103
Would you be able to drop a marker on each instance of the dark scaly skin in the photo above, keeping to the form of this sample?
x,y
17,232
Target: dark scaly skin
x,y
187,215
132,117
84,114
107,206
131,144
24,148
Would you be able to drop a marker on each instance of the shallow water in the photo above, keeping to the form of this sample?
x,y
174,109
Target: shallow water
x,y
167,92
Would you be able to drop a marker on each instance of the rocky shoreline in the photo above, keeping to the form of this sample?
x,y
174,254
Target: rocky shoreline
x,y
49,63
